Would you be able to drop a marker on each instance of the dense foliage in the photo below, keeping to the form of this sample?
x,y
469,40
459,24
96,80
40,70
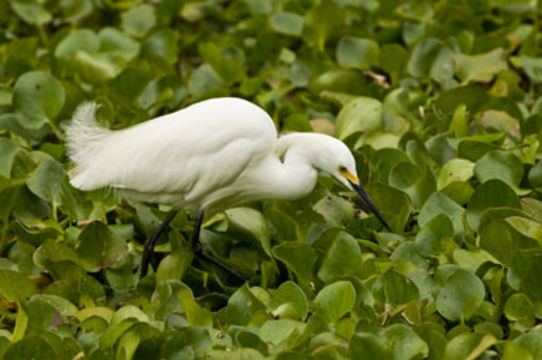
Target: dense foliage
x,y
438,101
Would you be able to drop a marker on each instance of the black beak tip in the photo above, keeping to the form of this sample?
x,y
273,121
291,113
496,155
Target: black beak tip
x,y
358,188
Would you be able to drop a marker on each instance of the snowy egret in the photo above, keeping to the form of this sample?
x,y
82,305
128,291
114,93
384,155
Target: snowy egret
x,y
211,155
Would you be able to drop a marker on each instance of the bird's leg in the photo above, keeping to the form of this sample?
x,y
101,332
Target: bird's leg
x,y
200,253
151,242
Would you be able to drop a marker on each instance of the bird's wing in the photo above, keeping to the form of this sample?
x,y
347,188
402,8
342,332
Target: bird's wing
x,y
199,149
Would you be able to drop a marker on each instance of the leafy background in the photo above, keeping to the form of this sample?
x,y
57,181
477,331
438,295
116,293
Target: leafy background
x,y
437,99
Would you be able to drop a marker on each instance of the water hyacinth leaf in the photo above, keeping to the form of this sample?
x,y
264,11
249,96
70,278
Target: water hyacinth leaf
x,y
100,248
480,67
39,96
252,222
335,210
31,12
46,181
276,332
115,43
8,150
429,238
299,258
493,193
342,258
138,20
367,346
399,289
406,344
14,286
468,346
460,296
289,301
334,301
533,67
439,203
455,170
390,201
226,62
79,40
321,22
535,176
286,23
31,347
195,314
357,53
519,307
163,43
418,184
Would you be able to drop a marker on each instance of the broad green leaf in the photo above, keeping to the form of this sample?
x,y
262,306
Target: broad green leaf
x,y
535,176
334,301
79,40
460,296
38,96
298,258
276,332
362,114
31,347
226,62
100,248
335,210
437,204
429,239
15,286
468,346
455,170
480,67
533,67
519,307
163,43
367,346
321,22
115,43
342,258
251,222
287,23
406,344
358,53
138,20
289,301
8,150
493,193
398,289
31,11
195,314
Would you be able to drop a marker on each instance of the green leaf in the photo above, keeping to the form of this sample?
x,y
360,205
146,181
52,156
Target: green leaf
x,y
460,296
297,257
398,289
480,67
366,346
286,23
455,170
289,301
163,43
31,347
535,175
276,332
195,314
15,286
100,248
321,22
334,301
138,20
502,165
357,53
406,344
31,11
493,193
118,44
362,114
437,204
8,150
39,96
79,40
251,222
342,258
468,346
226,62
47,181
430,237
519,307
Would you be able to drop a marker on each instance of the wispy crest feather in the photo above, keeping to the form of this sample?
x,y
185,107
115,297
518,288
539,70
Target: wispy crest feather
x,y
84,132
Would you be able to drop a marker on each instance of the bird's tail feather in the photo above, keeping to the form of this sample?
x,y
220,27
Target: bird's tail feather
x,y
84,133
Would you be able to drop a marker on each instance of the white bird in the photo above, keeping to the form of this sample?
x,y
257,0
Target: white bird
x,y
212,155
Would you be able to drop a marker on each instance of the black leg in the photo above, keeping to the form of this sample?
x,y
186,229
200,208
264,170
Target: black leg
x,y
151,242
200,253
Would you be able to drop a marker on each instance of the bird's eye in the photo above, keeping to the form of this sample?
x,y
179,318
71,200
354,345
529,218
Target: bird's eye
x,y
342,169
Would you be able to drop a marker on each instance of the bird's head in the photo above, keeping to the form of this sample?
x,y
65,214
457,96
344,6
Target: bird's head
x,y
335,158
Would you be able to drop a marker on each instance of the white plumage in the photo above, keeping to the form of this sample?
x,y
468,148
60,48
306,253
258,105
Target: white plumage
x,y
216,153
